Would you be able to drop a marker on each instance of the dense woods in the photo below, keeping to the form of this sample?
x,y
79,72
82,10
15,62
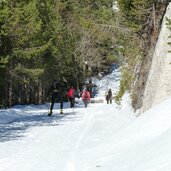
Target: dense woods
x,y
43,40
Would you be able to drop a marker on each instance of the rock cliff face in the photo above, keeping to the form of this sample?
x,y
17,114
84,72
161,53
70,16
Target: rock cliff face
x,y
158,85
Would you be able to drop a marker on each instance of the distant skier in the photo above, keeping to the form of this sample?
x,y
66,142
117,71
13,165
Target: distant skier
x,y
108,96
71,95
86,97
90,87
58,89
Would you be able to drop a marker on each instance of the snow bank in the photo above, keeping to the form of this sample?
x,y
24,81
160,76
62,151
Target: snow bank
x,y
9,115
104,137
20,111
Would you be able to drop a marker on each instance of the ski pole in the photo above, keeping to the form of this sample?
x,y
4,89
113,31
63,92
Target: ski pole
x,y
73,112
49,104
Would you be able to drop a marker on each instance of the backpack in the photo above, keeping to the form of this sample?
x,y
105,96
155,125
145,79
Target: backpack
x,y
55,86
86,94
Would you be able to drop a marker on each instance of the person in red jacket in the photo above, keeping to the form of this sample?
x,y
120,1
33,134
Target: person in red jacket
x,y
71,96
86,97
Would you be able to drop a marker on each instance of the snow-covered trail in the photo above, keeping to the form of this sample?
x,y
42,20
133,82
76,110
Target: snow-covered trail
x,y
102,137
63,143
31,141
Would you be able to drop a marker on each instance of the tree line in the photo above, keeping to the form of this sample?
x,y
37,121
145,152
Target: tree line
x,y
43,40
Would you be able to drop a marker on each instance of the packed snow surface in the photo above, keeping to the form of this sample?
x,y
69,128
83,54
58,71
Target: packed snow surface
x,y
102,137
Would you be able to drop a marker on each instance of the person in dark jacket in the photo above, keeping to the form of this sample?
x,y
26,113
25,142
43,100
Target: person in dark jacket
x,y
58,89
109,96
89,86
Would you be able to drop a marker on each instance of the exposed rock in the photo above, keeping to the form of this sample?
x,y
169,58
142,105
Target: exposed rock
x,y
158,85
143,68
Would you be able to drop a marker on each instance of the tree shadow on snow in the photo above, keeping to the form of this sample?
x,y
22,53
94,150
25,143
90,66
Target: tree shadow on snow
x,y
16,129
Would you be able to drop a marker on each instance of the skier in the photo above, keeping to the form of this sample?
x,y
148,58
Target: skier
x,y
90,86
108,96
86,97
71,96
58,92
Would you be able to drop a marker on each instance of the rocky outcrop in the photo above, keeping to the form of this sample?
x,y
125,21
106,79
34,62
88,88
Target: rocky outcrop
x,y
158,84
142,69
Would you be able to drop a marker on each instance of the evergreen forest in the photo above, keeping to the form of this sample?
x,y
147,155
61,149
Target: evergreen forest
x,y
43,40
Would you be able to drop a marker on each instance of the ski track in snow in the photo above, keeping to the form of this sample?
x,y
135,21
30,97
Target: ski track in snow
x,y
87,122
67,149
105,84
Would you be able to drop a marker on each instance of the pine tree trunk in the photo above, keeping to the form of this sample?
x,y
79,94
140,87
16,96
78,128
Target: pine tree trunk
x,y
10,91
6,93
40,93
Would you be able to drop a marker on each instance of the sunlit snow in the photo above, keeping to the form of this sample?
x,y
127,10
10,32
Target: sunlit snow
x,y
102,137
